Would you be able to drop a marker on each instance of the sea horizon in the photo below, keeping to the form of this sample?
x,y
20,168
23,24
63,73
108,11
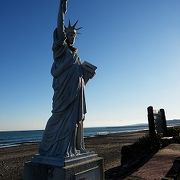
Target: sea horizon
x,y
169,122
18,137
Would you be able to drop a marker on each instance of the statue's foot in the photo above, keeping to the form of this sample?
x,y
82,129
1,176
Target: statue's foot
x,y
82,150
70,154
74,152
77,152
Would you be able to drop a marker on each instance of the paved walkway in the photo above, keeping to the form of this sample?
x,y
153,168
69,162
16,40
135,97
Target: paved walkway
x,y
158,166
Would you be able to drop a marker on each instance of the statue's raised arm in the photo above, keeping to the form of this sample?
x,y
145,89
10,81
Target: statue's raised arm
x,y
61,13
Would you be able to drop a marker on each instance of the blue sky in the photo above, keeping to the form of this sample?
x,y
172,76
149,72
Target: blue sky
x,y
134,43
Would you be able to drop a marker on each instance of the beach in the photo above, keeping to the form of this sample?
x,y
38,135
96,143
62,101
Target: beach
x,y
108,146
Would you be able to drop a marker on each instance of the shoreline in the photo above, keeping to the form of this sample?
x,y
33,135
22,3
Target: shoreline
x,y
108,146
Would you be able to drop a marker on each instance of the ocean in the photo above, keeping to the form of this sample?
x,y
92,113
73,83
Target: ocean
x,y
15,138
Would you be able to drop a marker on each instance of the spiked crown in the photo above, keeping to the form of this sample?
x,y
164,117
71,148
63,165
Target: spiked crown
x,y
72,28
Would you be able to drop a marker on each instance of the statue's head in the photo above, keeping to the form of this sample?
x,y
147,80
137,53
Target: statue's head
x,y
71,33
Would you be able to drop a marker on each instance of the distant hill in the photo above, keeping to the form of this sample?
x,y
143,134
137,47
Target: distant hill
x,y
174,122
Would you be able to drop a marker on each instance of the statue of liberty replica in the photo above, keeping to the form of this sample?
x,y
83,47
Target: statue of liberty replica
x,y
62,153
63,135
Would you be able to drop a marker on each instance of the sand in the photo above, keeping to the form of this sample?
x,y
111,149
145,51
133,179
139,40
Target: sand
x,y
109,146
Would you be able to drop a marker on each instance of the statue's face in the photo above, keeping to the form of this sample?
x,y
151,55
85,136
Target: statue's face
x,y
71,37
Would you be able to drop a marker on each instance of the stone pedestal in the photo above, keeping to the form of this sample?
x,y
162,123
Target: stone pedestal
x,y
87,166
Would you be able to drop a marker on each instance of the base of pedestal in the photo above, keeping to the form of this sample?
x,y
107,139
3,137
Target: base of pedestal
x,y
82,167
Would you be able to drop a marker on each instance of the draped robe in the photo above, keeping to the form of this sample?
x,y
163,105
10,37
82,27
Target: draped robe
x,y
68,101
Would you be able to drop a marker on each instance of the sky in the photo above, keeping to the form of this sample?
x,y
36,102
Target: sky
x,y
135,45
